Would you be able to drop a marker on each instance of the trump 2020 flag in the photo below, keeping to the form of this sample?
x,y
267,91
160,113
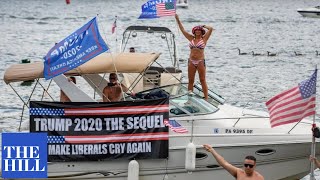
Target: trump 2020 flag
x,y
294,104
76,49
158,8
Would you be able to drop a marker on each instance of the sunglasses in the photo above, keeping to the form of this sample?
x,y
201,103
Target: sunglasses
x,y
248,165
112,78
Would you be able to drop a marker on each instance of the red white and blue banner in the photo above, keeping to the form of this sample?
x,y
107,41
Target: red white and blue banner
x,y
88,131
76,49
158,8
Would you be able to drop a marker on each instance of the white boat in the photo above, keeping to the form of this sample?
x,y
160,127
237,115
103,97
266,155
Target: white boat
x,y
182,4
282,153
313,12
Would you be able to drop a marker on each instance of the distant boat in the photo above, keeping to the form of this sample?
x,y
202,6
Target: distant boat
x,y
310,12
182,3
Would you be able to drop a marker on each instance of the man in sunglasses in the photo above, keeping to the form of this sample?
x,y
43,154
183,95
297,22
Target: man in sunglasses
x,y
248,171
113,91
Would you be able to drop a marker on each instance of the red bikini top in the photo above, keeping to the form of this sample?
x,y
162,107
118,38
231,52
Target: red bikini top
x,y
199,45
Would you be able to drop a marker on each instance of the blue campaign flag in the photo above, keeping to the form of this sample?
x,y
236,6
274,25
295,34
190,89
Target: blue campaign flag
x,y
76,49
158,8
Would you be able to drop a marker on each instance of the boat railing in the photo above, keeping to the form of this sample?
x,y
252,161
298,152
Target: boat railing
x,y
166,34
237,119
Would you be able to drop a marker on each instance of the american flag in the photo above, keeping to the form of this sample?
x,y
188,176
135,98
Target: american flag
x,y
114,25
294,104
166,9
99,111
88,139
175,126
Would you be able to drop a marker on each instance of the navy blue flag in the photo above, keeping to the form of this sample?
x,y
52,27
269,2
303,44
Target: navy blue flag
x,y
155,9
76,49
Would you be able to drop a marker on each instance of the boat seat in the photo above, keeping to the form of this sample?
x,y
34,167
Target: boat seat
x,y
151,79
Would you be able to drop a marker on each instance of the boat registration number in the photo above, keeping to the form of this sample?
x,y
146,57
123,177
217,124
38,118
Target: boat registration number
x,y
232,131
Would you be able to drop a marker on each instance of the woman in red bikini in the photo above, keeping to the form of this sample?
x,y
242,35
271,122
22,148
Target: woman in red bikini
x,y
198,40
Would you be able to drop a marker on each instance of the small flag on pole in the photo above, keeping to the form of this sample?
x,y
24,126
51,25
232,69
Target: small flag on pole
x,y
114,25
294,104
175,126
165,9
155,9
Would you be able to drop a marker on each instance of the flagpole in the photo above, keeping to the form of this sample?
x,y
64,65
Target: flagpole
x,y
313,144
115,21
313,147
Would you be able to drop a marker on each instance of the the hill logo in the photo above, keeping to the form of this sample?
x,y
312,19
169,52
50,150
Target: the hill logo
x,y
24,155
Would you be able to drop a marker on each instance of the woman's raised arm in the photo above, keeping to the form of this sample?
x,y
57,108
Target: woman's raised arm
x,y
208,33
184,32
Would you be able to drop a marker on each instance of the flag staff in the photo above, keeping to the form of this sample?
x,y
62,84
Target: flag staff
x,y
295,104
313,144
313,148
114,25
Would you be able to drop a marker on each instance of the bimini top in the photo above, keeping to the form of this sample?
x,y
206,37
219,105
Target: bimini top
x,y
104,63
150,29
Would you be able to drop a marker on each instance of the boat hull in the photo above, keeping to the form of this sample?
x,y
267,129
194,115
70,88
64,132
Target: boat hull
x,y
310,14
313,12
275,161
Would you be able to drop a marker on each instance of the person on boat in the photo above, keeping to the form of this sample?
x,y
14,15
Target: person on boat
x,y
63,96
113,91
316,134
197,42
249,165
132,50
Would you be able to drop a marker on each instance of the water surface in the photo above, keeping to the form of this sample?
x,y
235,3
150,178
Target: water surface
x,y
30,28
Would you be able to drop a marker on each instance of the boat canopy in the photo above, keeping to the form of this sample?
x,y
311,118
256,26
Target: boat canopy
x,y
149,29
104,63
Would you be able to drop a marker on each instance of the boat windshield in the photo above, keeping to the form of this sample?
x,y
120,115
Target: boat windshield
x,y
183,102
190,103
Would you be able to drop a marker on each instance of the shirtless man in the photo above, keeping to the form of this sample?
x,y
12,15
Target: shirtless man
x,y
113,91
249,165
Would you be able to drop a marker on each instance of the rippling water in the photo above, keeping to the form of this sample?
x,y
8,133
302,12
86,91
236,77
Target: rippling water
x,y
30,28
